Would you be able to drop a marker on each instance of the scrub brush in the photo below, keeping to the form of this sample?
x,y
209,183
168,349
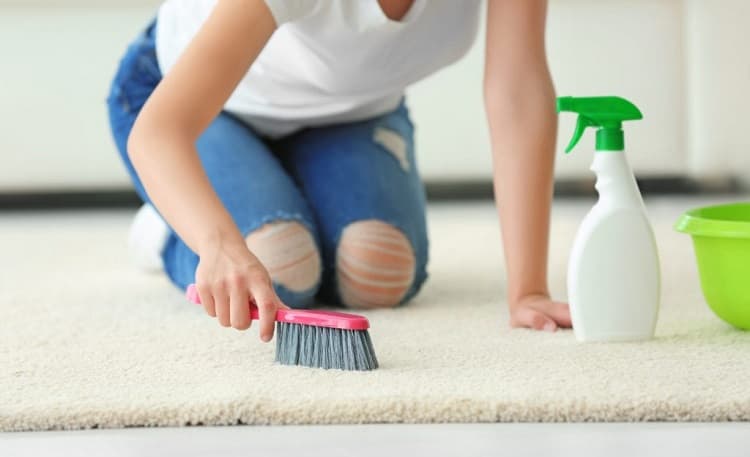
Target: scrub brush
x,y
318,339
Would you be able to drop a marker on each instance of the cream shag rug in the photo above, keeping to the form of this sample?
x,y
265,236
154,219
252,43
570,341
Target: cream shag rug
x,y
86,341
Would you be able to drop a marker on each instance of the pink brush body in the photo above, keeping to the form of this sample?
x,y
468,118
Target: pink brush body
x,y
329,319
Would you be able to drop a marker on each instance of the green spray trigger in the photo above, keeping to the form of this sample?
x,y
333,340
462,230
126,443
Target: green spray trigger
x,y
606,113
581,125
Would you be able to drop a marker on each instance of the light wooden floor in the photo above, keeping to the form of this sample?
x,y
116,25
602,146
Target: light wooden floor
x,y
460,440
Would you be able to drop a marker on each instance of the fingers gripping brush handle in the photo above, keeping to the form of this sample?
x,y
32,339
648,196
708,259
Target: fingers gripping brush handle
x,y
323,339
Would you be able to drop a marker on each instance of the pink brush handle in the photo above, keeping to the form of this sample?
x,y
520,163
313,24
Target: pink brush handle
x,y
330,319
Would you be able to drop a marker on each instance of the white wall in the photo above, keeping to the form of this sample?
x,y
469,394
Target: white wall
x,y
718,84
56,66
631,48
684,62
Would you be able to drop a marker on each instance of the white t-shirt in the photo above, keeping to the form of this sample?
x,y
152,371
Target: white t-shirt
x,y
330,61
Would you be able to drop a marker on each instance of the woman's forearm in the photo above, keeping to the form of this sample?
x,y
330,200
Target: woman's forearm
x,y
174,179
520,104
191,95
523,128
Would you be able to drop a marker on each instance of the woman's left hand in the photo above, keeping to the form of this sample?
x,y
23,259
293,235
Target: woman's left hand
x,y
539,312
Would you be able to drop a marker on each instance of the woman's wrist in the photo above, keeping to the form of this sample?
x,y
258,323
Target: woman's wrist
x,y
217,236
518,296
519,299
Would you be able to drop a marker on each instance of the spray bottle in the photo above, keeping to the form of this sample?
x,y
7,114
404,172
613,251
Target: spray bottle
x,y
613,274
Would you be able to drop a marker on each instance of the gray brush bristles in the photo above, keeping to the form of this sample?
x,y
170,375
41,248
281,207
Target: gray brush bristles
x,y
323,347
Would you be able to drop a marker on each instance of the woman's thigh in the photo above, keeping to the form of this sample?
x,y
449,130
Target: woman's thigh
x,y
254,188
136,78
361,171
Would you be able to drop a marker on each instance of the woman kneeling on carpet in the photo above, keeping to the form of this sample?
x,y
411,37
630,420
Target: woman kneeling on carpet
x,y
273,138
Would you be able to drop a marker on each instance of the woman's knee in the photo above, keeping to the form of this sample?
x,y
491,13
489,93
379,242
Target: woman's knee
x,y
375,265
289,253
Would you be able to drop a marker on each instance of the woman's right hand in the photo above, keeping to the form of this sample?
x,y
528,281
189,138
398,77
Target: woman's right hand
x,y
228,277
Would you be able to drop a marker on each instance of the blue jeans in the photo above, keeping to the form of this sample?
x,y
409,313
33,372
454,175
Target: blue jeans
x,y
324,178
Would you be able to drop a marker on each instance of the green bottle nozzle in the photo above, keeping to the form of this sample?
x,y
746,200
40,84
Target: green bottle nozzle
x,y
605,113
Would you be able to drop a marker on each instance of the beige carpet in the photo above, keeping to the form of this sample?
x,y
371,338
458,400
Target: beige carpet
x,y
85,341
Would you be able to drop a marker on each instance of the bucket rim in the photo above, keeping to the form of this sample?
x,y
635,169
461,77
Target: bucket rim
x,y
717,221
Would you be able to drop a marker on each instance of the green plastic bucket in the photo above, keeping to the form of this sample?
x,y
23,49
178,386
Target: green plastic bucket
x,y
721,237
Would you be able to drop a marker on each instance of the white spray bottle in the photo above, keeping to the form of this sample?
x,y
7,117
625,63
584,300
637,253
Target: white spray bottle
x,y
613,274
